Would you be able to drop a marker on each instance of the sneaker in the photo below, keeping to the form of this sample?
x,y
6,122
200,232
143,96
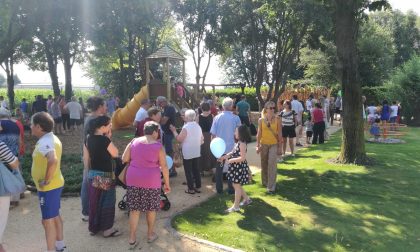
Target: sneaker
x,y
232,209
280,160
245,203
292,155
299,144
64,249
85,218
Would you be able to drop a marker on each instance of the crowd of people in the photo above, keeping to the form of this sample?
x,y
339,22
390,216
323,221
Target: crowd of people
x,y
156,132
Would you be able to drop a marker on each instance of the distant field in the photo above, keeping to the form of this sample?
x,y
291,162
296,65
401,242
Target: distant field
x,y
30,94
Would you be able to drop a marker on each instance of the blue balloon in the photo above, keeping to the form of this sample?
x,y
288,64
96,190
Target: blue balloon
x,y
169,161
217,147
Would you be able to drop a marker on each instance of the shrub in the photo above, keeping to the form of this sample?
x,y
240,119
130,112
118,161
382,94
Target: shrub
x,y
250,94
404,86
374,94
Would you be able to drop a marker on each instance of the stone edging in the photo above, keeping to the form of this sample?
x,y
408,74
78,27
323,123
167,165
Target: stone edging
x,y
179,235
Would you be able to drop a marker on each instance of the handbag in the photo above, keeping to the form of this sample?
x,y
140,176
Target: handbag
x,y
103,183
11,181
122,175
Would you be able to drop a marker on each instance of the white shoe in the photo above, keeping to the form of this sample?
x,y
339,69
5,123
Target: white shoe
x,y
232,209
85,218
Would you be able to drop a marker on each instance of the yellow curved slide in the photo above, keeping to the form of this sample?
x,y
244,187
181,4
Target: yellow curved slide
x,y
124,117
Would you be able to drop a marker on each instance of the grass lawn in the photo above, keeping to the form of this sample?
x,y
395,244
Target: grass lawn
x,y
320,206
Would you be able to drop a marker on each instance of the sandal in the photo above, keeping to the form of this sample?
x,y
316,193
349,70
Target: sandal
x,y
133,245
153,238
190,191
114,233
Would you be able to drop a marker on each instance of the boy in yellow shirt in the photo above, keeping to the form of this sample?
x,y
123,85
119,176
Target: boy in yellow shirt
x,y
48,179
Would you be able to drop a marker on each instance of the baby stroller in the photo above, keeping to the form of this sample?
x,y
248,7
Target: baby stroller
x,y
165,204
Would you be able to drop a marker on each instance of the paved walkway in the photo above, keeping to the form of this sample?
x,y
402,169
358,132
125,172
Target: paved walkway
x,y
24,232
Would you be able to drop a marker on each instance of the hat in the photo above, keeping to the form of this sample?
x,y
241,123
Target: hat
x,y
4,112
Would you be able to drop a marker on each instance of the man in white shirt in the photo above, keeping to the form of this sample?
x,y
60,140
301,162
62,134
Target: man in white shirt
x,y
393,116
298,108
75,110
3,102
309,103
142,112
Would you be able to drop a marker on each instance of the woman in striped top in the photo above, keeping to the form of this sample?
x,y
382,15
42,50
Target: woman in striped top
x,y
288,121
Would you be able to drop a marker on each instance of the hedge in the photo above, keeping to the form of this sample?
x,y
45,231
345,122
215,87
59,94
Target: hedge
x,y
250,94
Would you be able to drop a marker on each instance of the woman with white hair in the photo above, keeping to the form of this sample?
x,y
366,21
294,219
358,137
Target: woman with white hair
x,y
191,138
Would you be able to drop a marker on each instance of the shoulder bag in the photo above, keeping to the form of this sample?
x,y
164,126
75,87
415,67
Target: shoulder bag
x,y
11,181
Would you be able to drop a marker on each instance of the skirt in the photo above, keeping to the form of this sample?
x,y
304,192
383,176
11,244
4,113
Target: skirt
x,y
101,208
143,199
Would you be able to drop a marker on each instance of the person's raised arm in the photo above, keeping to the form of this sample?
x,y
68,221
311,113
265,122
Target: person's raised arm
x,y
112,150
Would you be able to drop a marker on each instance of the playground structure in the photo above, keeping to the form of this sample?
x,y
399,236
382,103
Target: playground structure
x,y
390,133
124,117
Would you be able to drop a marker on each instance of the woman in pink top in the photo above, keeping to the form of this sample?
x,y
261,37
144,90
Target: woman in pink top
x,y
143,179
319,124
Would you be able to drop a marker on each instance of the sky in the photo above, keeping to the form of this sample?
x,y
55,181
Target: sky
x,y
214,76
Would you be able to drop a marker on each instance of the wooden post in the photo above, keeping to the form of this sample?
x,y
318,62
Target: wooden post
x,y
168,81
147,72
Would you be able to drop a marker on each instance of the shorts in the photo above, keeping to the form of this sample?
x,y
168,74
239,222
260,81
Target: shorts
x,y
288,131
49,202
393,119
75,122
58,120
309,133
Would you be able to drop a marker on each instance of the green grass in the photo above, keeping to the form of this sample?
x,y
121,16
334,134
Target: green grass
x,y
319,206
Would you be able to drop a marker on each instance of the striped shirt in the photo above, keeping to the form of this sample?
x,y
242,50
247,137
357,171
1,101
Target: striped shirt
x,y
287,118
6,156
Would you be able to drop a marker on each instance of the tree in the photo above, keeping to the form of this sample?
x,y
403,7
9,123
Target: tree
x,y
196,17
2,80
347,17
407,78
405,32
15,25
123,34
376,49
319,65
265,37
59,36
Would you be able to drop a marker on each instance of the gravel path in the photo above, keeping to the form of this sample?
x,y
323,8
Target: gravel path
x,y
24,232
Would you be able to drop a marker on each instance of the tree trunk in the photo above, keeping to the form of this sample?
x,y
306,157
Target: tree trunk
x,y
67,74
131,72
123,83
353,145
10,81
52,69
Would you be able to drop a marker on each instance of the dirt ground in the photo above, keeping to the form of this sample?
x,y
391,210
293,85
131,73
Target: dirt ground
x,y
24,232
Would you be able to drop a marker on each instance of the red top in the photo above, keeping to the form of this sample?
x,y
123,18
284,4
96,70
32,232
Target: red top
x,y
140,127
318,115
